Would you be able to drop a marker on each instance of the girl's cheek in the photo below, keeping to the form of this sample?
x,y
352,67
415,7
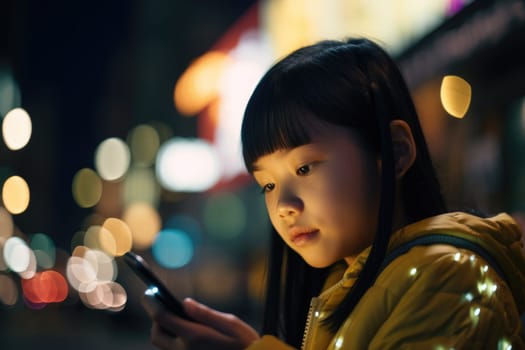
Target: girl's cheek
x,y
270,199
268,204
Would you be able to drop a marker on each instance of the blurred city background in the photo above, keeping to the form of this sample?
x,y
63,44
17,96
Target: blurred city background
x,y
120,130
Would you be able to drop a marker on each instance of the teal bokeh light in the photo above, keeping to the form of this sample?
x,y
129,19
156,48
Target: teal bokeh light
x,y
44,249
173,248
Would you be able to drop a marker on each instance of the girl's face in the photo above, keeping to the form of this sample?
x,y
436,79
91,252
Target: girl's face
x,y
322,197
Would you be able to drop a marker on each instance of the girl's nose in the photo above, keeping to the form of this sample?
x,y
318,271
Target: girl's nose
x,y
289,205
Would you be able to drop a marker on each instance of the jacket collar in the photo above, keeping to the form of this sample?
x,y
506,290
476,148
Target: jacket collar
x,y
499,235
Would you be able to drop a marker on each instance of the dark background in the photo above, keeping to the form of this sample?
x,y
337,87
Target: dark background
x,y
92,70
89,70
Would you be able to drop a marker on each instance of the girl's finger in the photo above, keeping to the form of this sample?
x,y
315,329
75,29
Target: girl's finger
x,y
223,322
169,327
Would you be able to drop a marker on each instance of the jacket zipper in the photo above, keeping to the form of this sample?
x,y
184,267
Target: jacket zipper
x,y
314,304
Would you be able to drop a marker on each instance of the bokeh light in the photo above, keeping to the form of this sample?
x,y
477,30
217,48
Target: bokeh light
x,y
144,222
110,296
92,236
112,159
87,269
86,188
455,94
199,84
8,290
172,248
104,265
16,129
17,254
116,239
224,215
236,86
45,287
140,185
80,251
15,194
81,274
187,165
144,142
31,268
44,250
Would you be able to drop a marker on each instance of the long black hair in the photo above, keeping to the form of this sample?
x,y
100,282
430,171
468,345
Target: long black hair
x,y
353,84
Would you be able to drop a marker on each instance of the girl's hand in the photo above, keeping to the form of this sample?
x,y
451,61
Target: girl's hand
x,y
212,329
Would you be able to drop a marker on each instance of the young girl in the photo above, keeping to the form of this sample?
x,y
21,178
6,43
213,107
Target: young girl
x,y
363,253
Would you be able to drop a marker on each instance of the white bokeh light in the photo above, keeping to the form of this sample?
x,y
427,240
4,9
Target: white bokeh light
x,y
16,129
187,165
112,159
17,254
248,62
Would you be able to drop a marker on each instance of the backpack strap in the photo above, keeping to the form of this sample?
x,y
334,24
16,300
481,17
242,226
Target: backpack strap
x,y
440,238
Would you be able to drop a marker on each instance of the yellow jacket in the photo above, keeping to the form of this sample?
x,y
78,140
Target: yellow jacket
x,y
432,297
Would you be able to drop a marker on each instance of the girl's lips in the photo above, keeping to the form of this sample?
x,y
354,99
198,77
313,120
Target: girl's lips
x,y
302,236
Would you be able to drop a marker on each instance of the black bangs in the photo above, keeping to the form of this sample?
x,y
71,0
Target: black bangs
x,y
299,92
272,123
275,118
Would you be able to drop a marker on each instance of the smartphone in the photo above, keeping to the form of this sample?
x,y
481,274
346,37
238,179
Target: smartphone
x,y
155,287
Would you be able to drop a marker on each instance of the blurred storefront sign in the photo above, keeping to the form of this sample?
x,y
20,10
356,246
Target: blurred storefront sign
x,y
426,37
271,29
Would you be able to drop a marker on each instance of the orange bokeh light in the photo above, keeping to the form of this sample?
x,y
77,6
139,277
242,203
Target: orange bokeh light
x,y
45,287
199,84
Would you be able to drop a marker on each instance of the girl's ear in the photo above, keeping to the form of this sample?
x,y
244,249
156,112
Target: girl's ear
x,y
404,146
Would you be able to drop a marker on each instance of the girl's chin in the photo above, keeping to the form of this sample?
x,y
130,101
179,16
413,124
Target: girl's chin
x,y
316,261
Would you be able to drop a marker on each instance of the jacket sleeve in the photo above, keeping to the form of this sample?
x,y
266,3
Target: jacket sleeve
x,y
267,342
457,301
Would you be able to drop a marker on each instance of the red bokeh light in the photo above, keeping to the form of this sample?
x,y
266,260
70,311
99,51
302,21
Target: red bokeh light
x,y
45,287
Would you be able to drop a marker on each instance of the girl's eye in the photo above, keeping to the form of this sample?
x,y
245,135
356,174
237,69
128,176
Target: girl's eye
x,y
267,188
304,170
